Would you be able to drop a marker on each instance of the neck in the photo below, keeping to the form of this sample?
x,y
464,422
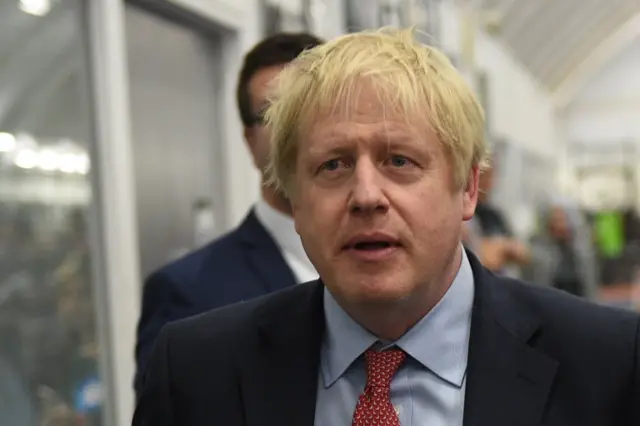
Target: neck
x,y
276,200
391,321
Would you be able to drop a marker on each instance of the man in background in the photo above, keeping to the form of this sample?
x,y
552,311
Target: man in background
x,y
499,250
264,253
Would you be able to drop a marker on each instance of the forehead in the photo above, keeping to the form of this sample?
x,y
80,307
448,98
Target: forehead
x,y
261,82
367,116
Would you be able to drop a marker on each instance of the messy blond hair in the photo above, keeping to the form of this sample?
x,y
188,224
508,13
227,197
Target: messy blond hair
x,y
410,78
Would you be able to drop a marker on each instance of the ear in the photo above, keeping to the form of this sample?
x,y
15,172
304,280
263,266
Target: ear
x,y
470,195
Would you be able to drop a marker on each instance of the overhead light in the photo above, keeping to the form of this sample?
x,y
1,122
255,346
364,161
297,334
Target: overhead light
x,y
73,163
82,164
26,159
48,160
35,7
68,163
26,141
7,142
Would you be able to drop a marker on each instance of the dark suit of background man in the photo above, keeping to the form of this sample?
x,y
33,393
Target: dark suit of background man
x,y
264,253
378,142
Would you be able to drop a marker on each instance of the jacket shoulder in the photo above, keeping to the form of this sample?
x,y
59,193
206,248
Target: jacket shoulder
x,y
212,253
573,320
232,322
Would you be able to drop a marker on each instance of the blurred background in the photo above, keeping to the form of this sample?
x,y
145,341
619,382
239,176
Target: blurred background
x,y
121,149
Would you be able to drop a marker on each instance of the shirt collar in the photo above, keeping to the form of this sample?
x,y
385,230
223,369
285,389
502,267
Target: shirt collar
x,y
282,229
439,341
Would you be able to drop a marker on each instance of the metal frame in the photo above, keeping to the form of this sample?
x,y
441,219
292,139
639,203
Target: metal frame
x,y
115,201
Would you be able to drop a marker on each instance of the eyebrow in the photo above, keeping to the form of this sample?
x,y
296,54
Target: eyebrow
x,y
337,146
323,150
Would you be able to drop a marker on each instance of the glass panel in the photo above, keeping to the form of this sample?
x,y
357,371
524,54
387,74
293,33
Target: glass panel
x,y
48,342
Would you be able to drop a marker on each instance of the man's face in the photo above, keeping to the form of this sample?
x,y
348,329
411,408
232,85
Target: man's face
x,y
256,135
559,224
376,206
486,183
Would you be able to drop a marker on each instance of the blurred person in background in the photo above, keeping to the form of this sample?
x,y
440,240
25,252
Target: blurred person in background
x,y
499,250
563,254
378,142
264,253
17,407
23,301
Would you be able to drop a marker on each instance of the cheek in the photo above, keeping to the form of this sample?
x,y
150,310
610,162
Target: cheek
x,y
261,139
434,212
317,218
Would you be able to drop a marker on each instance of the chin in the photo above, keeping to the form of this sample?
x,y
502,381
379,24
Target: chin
x,y
389,290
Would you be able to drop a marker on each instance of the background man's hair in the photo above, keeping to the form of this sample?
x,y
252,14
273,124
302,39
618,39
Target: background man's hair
x,y
278,49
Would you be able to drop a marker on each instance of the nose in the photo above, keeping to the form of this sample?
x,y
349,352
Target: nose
x,y
367,194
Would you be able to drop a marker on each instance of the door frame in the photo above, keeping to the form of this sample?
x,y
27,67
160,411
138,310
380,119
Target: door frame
x,y
118,292
236,26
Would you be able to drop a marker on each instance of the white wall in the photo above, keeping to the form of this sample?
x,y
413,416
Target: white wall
x,y
330,20
241,179
606,114
608,108
519,109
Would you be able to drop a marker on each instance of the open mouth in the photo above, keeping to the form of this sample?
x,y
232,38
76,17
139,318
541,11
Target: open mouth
x,y
372,245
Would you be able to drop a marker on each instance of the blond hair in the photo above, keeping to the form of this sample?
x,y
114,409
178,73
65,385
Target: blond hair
x,y
409,77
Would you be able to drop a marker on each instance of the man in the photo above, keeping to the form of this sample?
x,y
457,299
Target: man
x,y
378,143
497,247
562,251
264,253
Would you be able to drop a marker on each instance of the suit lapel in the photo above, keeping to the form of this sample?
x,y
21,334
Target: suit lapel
x,y
264,255
508,381
280,381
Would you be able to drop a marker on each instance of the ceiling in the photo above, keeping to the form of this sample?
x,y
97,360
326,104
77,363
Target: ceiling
x,y
552,38
42,71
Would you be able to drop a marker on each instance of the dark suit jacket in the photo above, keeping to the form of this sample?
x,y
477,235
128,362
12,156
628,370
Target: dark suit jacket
x,y
537,357
242,265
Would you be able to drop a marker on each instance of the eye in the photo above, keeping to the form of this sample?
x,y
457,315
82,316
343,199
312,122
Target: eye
x,y
399,161
332,165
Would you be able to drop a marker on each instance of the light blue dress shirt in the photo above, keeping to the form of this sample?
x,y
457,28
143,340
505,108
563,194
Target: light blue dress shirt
x,y
429,387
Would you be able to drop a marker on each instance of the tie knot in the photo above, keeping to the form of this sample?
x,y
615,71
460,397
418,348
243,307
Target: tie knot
x,y
382,366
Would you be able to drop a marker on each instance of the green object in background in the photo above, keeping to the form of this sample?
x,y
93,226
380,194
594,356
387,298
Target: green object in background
x,y
609,230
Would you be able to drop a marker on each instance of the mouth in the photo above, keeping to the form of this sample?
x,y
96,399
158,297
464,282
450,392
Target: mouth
x,y
371,243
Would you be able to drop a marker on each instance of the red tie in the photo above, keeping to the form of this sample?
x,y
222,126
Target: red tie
x,y
374,406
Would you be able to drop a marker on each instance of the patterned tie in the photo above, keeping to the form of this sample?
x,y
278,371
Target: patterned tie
x,y
374,405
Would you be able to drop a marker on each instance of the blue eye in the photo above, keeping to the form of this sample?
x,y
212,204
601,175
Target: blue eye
x,y
331,165
399,161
